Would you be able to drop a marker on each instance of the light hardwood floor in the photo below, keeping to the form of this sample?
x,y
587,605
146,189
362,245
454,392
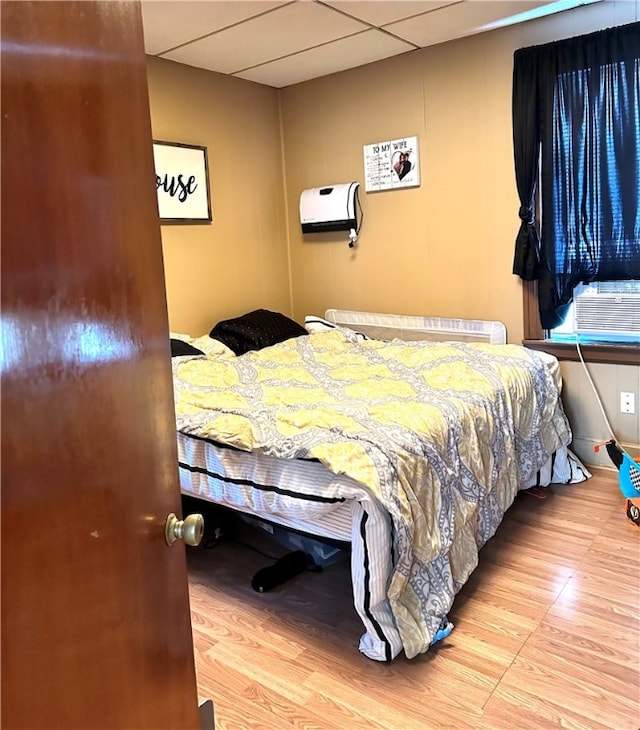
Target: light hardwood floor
x,y
547,633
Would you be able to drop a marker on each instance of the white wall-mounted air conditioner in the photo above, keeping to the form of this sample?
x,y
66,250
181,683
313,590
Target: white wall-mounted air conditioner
x,y
330,208
608,309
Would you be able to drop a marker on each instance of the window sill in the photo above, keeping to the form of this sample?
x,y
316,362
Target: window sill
x,y
612,354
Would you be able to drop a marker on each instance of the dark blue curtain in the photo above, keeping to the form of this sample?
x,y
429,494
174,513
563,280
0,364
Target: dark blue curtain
x,y
581,117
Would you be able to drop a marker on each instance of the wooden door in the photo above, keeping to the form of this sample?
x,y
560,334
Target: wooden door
x,y
96,629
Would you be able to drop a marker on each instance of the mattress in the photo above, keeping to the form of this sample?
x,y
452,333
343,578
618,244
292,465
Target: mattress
x,y
304,495
300,494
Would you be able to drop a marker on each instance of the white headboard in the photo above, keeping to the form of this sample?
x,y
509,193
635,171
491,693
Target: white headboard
x,y
408,327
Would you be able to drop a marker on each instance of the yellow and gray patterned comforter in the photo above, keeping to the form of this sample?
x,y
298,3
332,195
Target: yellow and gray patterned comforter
x,y
442,434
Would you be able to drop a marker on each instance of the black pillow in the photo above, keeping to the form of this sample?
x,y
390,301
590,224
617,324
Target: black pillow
x,y
255,330
180,347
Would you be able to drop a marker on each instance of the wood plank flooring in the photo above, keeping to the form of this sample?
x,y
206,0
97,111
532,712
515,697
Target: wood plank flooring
x,y
547,633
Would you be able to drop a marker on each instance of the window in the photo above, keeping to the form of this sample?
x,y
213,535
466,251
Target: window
x,y
576,117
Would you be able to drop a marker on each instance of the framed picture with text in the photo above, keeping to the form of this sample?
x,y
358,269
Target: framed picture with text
x,y
392,164
182,182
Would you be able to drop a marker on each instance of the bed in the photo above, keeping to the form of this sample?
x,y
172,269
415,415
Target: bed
x,y
407,437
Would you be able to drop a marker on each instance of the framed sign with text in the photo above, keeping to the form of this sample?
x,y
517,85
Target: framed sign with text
x,y
392,164
182,183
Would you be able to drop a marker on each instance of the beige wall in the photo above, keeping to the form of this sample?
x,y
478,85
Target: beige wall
x,y
445,248
239,262
587,421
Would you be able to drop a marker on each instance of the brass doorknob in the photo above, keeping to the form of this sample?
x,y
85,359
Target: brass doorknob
x,y
190,529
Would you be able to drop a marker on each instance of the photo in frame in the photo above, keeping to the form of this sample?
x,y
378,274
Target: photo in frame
x,y
182,183
392,164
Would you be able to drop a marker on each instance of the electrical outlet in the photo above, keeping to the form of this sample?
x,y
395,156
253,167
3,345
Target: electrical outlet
x,y
627,402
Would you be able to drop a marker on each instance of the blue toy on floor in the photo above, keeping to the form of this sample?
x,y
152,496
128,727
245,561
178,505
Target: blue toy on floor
x,y
445,628
629,476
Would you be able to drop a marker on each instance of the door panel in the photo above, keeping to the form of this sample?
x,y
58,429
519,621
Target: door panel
x,y
96,630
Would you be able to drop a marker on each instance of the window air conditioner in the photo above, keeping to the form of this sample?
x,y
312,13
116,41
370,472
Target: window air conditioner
x,y
608,309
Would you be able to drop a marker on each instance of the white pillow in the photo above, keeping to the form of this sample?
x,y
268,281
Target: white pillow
x,y
317,324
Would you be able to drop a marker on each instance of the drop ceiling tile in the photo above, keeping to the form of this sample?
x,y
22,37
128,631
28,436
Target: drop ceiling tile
x,y
286,30
356,50
379,13
458,20
168,24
